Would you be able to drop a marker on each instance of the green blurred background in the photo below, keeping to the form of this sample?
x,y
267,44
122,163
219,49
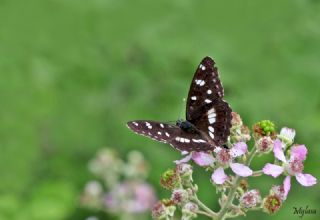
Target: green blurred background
x,y
73,72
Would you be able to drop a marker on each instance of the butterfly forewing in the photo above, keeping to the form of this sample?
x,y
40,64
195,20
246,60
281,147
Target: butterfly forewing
x,y
205,107
205,88
170,134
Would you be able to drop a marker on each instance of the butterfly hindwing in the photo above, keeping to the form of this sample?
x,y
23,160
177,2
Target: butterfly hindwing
x,y
215,122
170,134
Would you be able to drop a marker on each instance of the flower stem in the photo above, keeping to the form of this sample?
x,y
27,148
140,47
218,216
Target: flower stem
x,y
257,173
209,212
231,194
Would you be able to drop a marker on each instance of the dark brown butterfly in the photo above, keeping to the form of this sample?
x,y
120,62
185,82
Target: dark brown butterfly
x,y
208,117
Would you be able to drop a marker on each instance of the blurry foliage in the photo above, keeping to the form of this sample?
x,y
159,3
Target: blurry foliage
x,y
73,72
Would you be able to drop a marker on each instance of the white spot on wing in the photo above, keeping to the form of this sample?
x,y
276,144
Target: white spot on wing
x,y
202,67
193,97
211,111
211,129
207,101
148,125
198,141
187,140
167,134
161,125
212,115
209,91
212,120
135,123
211,135
200,82
159,133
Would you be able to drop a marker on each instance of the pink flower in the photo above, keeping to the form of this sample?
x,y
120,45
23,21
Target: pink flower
x,y
225,158
250,199
293,166
200,158
287,134
218,176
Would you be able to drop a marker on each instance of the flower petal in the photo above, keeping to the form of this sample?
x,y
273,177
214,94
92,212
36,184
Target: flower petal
x,y
218,176
306,179
272,170
202,159
299,152
286,186
240,169
184,152
184,160
239,149
277,150
288,133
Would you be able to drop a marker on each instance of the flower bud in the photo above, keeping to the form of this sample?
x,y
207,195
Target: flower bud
x,y
287,135
179,196
185,172
278,191
169,179
264,128
161,211
264,144
189,211
238,131
158,211
250,199
244,184
245,134
236,119
184,169
272,204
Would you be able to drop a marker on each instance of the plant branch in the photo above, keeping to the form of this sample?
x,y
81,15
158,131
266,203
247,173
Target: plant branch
x,y
232,191
211,213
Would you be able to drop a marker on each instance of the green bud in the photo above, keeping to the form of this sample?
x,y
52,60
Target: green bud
x,y
169,179
264,128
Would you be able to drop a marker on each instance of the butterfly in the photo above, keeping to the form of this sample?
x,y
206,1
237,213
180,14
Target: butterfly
x,y
208,116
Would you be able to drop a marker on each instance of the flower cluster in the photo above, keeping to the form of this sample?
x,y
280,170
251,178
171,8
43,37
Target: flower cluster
x,y
183,194
121,188
230,169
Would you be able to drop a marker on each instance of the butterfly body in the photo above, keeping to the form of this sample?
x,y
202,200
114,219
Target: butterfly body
x,y
208,117
186,126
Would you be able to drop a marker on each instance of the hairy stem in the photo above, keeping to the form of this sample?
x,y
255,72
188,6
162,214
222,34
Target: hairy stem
x,y
231,194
